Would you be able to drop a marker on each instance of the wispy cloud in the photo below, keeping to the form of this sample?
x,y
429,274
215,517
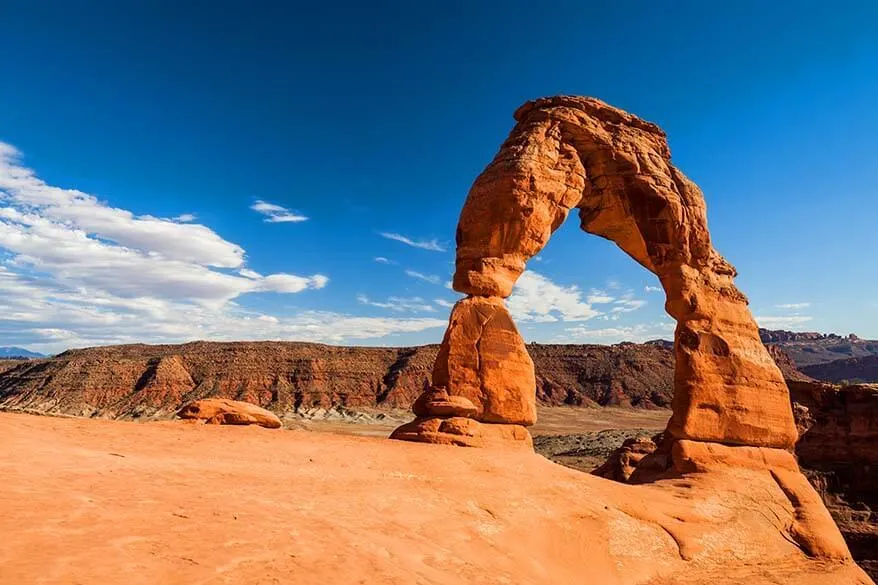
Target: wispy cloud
x,y
432,245
276,213
383,260
538,299
627,304
635,333
784,321
431,278
399,304
597,297
652,289
186,217
443,303
793,306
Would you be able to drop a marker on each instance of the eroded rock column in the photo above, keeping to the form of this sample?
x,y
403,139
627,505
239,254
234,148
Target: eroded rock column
x,y
483,391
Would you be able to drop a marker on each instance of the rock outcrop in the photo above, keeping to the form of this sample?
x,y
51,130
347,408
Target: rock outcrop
x,y
569,152
219,411
483,358
731,407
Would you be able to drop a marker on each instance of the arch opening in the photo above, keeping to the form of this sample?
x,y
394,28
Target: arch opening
x,y
571,153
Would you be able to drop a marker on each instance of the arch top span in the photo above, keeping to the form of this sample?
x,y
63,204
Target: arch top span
x,y
567,153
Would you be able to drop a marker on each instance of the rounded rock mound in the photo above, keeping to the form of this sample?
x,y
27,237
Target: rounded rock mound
x,y
221,411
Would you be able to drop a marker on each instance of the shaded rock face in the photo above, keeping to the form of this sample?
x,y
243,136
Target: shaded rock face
x,y
857,370
839,450
570,152
219,411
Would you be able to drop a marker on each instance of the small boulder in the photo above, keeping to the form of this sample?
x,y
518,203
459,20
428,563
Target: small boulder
x,y
437,402
220,411
464,432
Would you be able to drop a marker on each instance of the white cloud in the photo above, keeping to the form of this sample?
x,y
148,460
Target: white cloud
x,y
431,278
443,303
538,299
289,283
383,260
276,213
597,297
81,243
45,316
29,203
75,271
651,289
785,321
399,304
627,305
635,333
793,306
432,245
186,217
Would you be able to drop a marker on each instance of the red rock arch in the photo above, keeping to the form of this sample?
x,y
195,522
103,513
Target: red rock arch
x,y
573,152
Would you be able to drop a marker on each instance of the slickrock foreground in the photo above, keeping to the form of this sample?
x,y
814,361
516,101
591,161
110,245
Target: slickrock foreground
x,y
91,501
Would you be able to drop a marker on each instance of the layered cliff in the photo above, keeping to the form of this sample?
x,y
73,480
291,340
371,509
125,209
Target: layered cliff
x,y
155,380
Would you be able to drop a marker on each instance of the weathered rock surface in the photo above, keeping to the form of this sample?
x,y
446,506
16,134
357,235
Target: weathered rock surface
x,y
464,432
570,152
839,449
436,402
787,366
838,429
6,365
483,358
220,411
623,461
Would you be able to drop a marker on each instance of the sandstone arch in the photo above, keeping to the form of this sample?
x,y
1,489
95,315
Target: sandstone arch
x,y
572,152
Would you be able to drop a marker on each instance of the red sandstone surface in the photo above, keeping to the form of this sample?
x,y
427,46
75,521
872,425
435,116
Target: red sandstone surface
x,y
92,501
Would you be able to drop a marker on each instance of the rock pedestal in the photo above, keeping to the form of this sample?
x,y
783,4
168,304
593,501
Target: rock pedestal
x,y
444,419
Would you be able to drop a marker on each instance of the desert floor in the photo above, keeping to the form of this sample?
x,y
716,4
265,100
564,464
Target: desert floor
x,y
96,501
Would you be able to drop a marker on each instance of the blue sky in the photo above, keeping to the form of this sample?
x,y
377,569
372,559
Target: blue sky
x,y
233,171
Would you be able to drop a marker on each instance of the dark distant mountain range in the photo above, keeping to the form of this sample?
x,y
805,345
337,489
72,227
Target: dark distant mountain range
x,y
18,352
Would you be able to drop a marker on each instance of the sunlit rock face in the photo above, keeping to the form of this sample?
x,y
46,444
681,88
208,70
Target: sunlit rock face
x,y
573,152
